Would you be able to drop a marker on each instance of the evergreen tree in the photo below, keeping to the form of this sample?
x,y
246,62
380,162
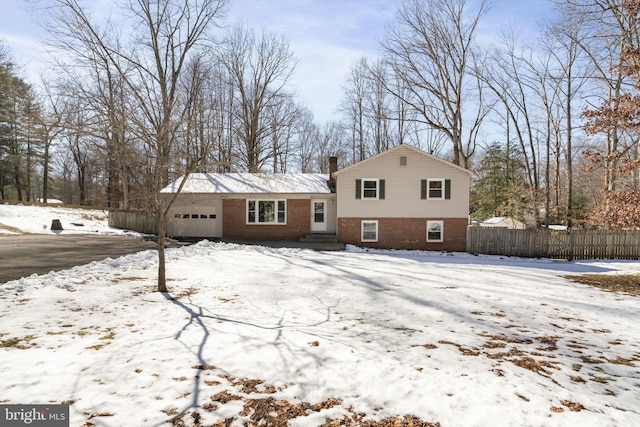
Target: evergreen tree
x,y
20,137
499,187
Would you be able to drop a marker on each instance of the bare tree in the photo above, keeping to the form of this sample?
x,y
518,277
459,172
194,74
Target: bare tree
x,y
511,76
202,106
353,108
283,117
401,113
165,35
571,73
52,123
430,49
379,108
308,137
98,85
377,120
77,144
330,143
218,103
537,88
259,67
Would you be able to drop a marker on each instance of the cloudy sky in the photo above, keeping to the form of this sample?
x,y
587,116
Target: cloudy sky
x,y
327,36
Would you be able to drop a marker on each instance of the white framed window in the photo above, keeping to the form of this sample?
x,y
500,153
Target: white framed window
x,y
266,211
435,231
369,231
435,189
370,188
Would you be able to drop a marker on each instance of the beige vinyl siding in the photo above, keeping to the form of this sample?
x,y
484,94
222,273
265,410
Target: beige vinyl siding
x,y
402,188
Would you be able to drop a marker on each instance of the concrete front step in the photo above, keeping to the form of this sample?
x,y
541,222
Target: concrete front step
x,y
319,238
318,246
323,246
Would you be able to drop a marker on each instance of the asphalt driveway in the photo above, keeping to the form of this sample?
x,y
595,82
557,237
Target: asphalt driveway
x,y
24,255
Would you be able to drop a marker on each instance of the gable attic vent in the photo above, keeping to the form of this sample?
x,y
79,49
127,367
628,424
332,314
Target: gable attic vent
x,y
403,160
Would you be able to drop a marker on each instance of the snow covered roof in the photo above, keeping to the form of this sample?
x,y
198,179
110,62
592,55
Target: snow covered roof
x,y
503,221
494,220
250,183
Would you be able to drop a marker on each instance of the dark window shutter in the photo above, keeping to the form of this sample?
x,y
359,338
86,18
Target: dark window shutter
x,y
447,189
381,189
358,189
423,189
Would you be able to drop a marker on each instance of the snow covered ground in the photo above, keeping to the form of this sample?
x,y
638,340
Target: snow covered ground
x,y
17,219
451,338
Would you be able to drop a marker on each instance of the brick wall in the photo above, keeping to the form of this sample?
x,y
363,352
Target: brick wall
x,y
235,226
406,233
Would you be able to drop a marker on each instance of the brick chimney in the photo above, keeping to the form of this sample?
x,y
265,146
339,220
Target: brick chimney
x,y
333,167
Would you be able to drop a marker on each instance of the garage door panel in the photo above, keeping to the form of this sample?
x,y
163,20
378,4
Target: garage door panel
x,y
191,221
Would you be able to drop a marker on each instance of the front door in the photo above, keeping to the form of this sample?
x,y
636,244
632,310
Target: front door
x,y
318,216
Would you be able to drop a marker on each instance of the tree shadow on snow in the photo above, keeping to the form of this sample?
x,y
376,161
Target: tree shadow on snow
x,y
198,316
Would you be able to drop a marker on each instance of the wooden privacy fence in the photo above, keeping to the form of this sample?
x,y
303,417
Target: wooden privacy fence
x,y
140,221
570,245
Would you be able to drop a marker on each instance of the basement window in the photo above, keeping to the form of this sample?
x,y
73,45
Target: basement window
x,y
435,231
369,231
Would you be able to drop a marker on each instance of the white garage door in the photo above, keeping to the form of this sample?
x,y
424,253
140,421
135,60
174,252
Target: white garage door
x,y
194,221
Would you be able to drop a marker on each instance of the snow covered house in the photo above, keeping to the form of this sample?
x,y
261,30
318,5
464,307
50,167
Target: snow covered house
x,y
252,206
403,198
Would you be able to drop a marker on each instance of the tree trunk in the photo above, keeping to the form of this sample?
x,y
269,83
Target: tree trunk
x,y
81,174
569,155
45,172
162,275
18,184
28,171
